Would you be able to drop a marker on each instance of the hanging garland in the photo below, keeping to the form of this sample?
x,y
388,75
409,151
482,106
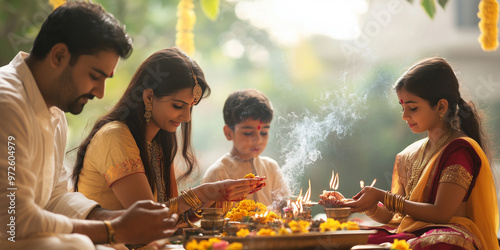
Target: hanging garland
x,y
488,13
56,3
186,18
488,25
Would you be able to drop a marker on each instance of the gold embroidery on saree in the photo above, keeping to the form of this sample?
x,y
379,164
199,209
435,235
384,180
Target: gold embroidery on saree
x,y
458,175
460,237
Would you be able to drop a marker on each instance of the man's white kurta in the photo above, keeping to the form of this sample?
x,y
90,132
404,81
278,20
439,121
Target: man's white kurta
x,y
37,199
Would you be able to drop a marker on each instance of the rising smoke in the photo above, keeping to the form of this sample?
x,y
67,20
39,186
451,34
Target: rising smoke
x,y
301,135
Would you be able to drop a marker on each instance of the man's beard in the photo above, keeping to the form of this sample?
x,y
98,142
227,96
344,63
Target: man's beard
x,y
76,107
66,88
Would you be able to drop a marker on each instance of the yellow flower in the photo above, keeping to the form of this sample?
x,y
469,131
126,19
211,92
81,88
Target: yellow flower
x,y
284,231
251,208
330,225
400,245
192,245
243,232
299,227
56,3
250,175
488,13
235,246
213,240
350,225
204,244
266,231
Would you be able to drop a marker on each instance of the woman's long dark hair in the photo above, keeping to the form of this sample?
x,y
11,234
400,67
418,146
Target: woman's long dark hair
x,y
166,72
433,79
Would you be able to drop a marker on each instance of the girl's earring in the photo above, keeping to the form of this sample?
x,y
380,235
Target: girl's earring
x,y
441,116
147,114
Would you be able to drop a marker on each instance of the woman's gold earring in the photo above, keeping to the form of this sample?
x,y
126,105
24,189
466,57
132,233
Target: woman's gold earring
x,y
441,116
147,114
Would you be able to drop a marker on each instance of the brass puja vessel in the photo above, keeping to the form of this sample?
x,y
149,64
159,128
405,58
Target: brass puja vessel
x,y
338,213
212,218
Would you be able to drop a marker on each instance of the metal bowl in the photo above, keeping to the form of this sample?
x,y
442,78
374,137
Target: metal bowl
x,y
338,213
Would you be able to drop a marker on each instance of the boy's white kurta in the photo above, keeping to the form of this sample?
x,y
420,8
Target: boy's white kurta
x,y
227,167
41,201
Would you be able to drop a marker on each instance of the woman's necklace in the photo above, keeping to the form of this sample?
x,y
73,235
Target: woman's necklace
x,y
421,161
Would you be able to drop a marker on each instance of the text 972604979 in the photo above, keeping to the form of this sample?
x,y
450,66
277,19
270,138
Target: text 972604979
x,y
11,188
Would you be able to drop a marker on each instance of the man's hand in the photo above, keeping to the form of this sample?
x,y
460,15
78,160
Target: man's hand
x,y
143,222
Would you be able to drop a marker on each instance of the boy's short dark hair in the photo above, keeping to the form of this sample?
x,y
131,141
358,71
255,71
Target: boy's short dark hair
x,y
86,28
244,104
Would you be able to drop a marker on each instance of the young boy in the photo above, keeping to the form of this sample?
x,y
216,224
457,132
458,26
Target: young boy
x,y
247,116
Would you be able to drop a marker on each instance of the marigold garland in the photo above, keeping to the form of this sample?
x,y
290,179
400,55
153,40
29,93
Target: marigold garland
x,y
186,18
488,13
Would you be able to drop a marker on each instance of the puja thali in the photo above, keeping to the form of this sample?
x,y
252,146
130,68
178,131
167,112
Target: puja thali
x,y
342,239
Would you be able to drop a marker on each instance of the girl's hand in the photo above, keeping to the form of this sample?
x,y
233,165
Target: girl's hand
x,y
230,190
366,199
332,198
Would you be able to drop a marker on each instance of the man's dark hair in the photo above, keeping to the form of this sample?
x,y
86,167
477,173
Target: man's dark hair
x,y
85,28
244,104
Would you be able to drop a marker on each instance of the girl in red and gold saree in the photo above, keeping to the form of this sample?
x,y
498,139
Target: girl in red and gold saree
x,y
443,194
129,154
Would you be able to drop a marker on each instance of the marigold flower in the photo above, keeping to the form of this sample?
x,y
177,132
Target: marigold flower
x,y
235,246
250,175
299,226
400,245
212,243
192,245
251,208
243,232
488,13
266,231
330,225
350,225
284,231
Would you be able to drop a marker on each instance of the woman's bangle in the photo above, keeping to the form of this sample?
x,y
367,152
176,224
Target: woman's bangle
x,y
173,205
111,232
394,202
372,214
191,198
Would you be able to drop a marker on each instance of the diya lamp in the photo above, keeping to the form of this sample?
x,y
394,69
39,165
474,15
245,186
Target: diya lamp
x,y
288,210
307,204
300,208
335,211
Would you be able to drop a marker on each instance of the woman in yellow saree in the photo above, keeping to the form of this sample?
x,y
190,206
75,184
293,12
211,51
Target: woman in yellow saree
x,y
131,152
443,194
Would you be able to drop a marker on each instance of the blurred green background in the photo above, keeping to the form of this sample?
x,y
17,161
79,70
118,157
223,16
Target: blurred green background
x,y
327,67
